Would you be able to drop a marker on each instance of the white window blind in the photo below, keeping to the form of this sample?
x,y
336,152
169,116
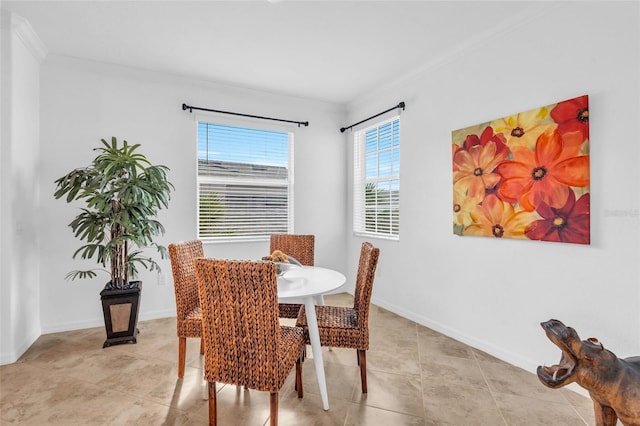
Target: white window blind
x,y
376,180
244,182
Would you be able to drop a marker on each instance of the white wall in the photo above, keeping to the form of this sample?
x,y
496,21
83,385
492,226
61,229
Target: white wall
x,y
84,101
492,294
22,52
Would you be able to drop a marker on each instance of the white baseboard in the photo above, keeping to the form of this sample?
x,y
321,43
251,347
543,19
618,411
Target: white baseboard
x,y
145,316
500,353
80,325
70,326
11,357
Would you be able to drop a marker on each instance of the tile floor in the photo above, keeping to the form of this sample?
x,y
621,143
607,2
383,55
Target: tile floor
x,y
416,377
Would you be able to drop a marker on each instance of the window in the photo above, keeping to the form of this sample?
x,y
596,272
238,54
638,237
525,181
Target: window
x,y
244,182
376,180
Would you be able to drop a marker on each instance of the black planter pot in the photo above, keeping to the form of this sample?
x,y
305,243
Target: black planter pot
x,y
120,307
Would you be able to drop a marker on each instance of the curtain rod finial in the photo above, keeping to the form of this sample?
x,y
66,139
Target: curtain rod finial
x,y
401,105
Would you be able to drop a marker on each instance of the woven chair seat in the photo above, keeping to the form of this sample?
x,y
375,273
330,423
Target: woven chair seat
x,y
290,337
191,326
195,313
288,310
337,327
332,316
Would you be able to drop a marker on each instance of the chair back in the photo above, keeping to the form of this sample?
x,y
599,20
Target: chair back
x,y
301,247
240,325
183,255
364,282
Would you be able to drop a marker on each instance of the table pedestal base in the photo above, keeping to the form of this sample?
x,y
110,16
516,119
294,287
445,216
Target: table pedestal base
x,y
314,338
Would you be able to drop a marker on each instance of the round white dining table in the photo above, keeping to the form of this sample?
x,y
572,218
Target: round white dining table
x,y
303,285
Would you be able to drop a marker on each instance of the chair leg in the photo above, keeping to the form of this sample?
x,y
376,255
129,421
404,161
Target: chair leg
x,y
362,358
299,376
213,415
201,346
273,417
182,351
303,355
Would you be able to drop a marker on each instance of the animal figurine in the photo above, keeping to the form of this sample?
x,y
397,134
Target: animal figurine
x,y
613,383
279,257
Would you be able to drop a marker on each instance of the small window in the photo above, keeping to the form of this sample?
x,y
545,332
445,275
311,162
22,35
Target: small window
x,y
244,182
376,180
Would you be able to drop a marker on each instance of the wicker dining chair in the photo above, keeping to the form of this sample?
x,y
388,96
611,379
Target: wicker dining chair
x,y
348,327
301,247
245,345
189,317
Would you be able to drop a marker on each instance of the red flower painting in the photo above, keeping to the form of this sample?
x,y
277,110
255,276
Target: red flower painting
x,y
542,181
567,224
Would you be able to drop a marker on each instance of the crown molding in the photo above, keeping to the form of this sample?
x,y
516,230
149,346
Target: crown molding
x,y
25,32
528,15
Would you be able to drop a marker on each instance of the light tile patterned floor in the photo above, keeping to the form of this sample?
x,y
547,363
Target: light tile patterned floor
x,y
415,377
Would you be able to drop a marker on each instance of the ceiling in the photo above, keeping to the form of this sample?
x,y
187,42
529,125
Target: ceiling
x,y
333,51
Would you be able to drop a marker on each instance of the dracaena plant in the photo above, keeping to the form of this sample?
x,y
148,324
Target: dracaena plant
x,y
123,193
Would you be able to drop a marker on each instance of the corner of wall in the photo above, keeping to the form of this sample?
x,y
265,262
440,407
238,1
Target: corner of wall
x,y
25,32
16,352
22,54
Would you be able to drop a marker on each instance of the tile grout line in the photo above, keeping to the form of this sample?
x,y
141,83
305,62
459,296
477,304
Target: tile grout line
x,y
575,409
484,377
424,409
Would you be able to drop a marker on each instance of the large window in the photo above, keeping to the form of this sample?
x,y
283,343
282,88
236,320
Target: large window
x,y
376,177
244,182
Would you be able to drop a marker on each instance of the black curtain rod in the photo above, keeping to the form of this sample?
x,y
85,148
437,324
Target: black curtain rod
x,y
191,108
400,105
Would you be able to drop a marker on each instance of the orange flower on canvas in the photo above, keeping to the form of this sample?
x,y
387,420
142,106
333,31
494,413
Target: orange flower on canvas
x,y
475,168
495,218
544,175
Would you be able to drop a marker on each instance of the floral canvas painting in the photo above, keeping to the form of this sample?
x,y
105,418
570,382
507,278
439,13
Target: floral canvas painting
x,y
525,176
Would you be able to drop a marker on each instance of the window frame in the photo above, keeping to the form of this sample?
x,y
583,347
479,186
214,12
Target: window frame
x,y
360,181
247,124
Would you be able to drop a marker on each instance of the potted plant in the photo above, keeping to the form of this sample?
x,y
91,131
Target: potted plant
x,y
123,193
